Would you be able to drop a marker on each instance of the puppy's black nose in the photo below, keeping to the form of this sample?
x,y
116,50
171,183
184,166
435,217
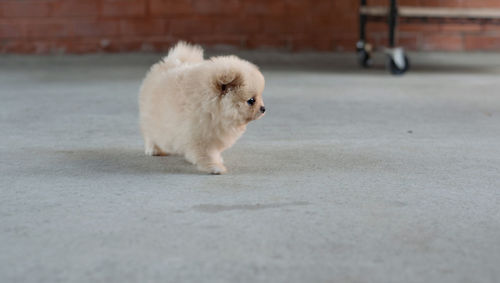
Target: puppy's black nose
x,y
262,109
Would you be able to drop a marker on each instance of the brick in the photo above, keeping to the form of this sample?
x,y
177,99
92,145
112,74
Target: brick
x,y
412,2
302,7
75,8
343,10
321,23
307,43
444,42
376,27
214,40
266,41
486,42
465,27
409,41
17,46
92,28
191,26
293,8
12,9
344,44
378,39
132,8
418,26
490,27
11,29
470,4
263,7
273,25
236,25
79,46
122,44
216,7
156,44
377,2
295,25
46,28
149,26
439,3
170,7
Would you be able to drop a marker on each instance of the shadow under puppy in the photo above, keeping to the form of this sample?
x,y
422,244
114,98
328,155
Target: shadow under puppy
x,y
198,108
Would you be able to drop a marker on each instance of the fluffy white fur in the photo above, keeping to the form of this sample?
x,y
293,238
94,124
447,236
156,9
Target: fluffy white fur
x,y
196,107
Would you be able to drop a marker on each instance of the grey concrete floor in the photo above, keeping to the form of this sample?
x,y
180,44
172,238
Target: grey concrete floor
x,y
353,176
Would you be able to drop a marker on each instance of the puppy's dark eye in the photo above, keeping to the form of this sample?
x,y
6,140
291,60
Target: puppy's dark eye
x,y
251,101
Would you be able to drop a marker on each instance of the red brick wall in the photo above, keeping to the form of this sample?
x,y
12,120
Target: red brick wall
x,y
76,26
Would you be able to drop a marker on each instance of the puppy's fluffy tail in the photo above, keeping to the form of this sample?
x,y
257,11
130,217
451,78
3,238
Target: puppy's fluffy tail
x,y
183,53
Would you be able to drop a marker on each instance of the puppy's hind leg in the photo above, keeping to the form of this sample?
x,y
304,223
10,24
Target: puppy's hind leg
x,y
151,149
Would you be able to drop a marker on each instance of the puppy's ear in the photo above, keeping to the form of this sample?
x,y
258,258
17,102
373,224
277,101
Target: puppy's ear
x,y
227,81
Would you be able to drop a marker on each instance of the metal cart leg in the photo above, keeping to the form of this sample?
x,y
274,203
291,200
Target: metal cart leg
x,y
363,49
393,15
397,61
362,24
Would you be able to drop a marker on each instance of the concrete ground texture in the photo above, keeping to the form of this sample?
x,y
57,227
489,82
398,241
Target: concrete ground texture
x,y
352,176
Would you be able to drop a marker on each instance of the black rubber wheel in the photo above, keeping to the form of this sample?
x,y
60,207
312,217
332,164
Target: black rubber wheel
x,y
394,69
364,58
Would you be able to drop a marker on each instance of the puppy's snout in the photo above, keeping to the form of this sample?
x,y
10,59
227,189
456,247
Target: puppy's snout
x,y
262,109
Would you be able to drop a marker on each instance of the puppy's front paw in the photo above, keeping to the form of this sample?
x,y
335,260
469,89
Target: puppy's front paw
x,y
218,169
214,169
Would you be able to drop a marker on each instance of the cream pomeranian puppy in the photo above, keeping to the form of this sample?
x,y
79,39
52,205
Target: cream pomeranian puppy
x,y
196,107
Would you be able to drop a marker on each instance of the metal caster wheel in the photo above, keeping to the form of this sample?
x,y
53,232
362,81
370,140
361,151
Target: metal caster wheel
x,y
397,62
364,54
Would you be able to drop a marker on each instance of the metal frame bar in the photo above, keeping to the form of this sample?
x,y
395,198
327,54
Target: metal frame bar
x,y
362,23
392,21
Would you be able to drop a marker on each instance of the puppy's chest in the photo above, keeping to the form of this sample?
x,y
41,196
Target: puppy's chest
x,y
224,135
